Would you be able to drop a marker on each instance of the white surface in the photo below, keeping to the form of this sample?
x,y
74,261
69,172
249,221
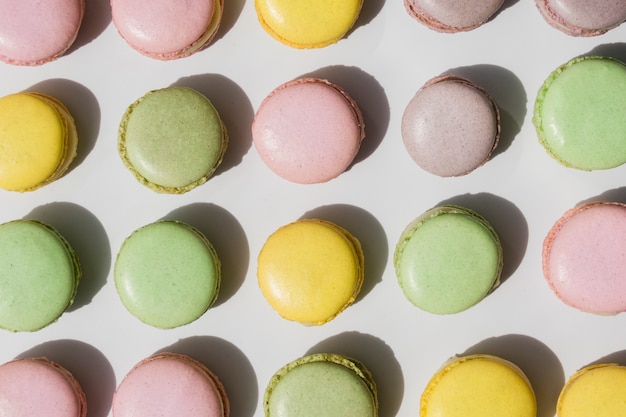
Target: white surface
x,y
385,59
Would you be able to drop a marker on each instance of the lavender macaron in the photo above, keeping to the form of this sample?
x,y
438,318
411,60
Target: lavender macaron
x,y
451,126
583,17
451,16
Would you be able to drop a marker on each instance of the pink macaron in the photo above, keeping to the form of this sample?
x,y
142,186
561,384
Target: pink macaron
x,y
39,387
167,29
308,130
584,258
170,384
582,17
451,16
451,126
34,32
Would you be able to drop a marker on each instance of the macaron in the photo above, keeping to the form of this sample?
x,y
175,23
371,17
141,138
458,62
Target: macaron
x,y
172,139
450,16
309,23
595,390
579,115
34,32
448,259
167,29
170,384
38,138
451,126
476,386
583,257
167,274
39,275
310,270
321,385
308,130
582,17
39,387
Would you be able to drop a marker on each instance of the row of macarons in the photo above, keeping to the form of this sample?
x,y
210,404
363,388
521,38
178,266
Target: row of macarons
x,y
33,33
319,384
168,273
309,130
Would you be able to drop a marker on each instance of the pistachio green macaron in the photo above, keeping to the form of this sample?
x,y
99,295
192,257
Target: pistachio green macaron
x,y
321,385
39,275
167,274
580,115
448,259
172,139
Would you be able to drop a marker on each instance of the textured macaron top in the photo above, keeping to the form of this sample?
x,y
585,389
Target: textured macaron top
x,y
451,126
584,257
310,270
39,275
583,17
38,138
308,130
450,16
321,385
478,385
448,259
308,23
170,384
579,113
167,29
39,387
172,139
167,274
34,32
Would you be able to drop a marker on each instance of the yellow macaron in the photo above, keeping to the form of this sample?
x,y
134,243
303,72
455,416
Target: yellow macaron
x,y
595,390
308,23
478,386
310,270
38,141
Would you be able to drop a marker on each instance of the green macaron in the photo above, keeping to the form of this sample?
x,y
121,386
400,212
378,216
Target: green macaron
x,y
321,385
172,139
448,259
167,274
39,275
580,113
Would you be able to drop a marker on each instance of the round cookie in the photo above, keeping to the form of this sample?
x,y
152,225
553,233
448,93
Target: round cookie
x,y
321,385
34,32
307,23
39,387
595,390
167,274
308,130
172,139
39,275
310,270
582,17
579,115
583,258
478,386
38,139
451,16
448,259
451,126
170,384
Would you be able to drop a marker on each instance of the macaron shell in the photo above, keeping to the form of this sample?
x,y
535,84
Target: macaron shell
x,y
308,23
170,384
451,16
583,17
310,271
40,275
579,115
583,258
39,387
596,390
34,32
451,126
308,131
